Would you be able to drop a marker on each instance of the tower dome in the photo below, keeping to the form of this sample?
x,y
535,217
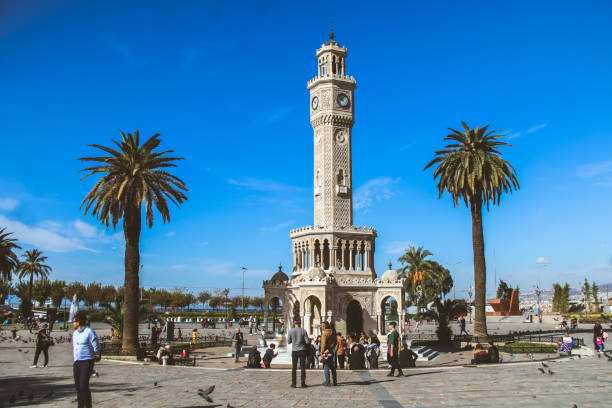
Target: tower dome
x,y
390,275
280,275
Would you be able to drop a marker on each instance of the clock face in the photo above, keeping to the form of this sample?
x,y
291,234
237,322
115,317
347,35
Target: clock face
x,y
315,102
343,100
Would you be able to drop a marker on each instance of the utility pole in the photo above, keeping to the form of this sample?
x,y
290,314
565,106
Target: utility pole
x,y
141,281
243,271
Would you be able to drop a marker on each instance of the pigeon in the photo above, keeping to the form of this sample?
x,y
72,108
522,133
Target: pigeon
x,y
579,356
541,370
155,384
229,406
598,355
574,406
19,350
550,372
26,351
544,365
206,393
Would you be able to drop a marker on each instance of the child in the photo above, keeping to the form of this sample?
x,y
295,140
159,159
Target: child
x,y
270,354
600,343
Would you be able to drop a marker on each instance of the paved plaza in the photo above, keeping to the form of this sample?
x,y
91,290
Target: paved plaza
x,y
586,382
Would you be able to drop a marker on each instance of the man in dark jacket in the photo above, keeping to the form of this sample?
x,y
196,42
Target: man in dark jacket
x,y
43,341
393,351
238,340
493,353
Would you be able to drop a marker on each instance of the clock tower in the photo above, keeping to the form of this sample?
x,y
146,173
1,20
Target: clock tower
x,y
332,116
333,277
333,244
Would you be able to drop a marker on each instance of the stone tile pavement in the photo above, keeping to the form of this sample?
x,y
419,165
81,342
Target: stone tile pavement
x,y
586,382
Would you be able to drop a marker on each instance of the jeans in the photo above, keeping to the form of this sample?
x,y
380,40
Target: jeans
x,y
82,372
330,365
44,350
295,355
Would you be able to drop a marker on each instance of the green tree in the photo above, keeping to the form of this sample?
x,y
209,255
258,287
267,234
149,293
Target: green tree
x,y
258,302
9,262
564,301
107,296
470,168
22,290
132,175
586,292
57,292
41,290
78,289
204,296
556,299
595,294
443,312
5,289
33,265
93,294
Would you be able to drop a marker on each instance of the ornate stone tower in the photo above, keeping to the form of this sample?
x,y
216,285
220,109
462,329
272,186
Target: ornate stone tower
x,y
333,277
333,244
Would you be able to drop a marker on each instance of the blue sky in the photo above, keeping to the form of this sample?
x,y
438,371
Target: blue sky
x,y
225,85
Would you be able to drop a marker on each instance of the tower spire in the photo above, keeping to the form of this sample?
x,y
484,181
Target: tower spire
x,y
331,33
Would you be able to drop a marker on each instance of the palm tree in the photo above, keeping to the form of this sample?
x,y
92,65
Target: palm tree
x,y
9,261
33,265
470,168
416,268
443,312
132,175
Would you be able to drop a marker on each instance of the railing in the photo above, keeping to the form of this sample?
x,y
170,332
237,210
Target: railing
x,y
109,348
532,337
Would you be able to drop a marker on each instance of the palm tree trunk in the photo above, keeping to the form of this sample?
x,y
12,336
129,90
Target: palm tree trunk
x,y
131,231
30,290
480,270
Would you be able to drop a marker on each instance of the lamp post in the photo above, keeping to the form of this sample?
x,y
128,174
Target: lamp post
x,y
538,292
65,296
243,271
470,293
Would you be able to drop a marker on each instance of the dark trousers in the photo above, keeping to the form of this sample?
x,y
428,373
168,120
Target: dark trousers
x,y
238,348
44,350
394,363
295,355
82,372
341,361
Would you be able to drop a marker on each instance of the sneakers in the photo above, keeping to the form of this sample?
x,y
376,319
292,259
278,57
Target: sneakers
x,y
33,366
293,386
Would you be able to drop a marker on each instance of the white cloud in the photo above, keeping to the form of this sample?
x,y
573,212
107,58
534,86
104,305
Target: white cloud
x,y
542,261
397,247
8,204
171,234
514,135
262,185
86,230
178,267
277,227
377,189
43,238
205,243
536,128
591,170
279,114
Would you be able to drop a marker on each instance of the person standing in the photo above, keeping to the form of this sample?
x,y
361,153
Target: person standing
x,y
86,349
298,338
393,351
597,332
250,324
462,325
43,341
238,341
328,354
340,348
